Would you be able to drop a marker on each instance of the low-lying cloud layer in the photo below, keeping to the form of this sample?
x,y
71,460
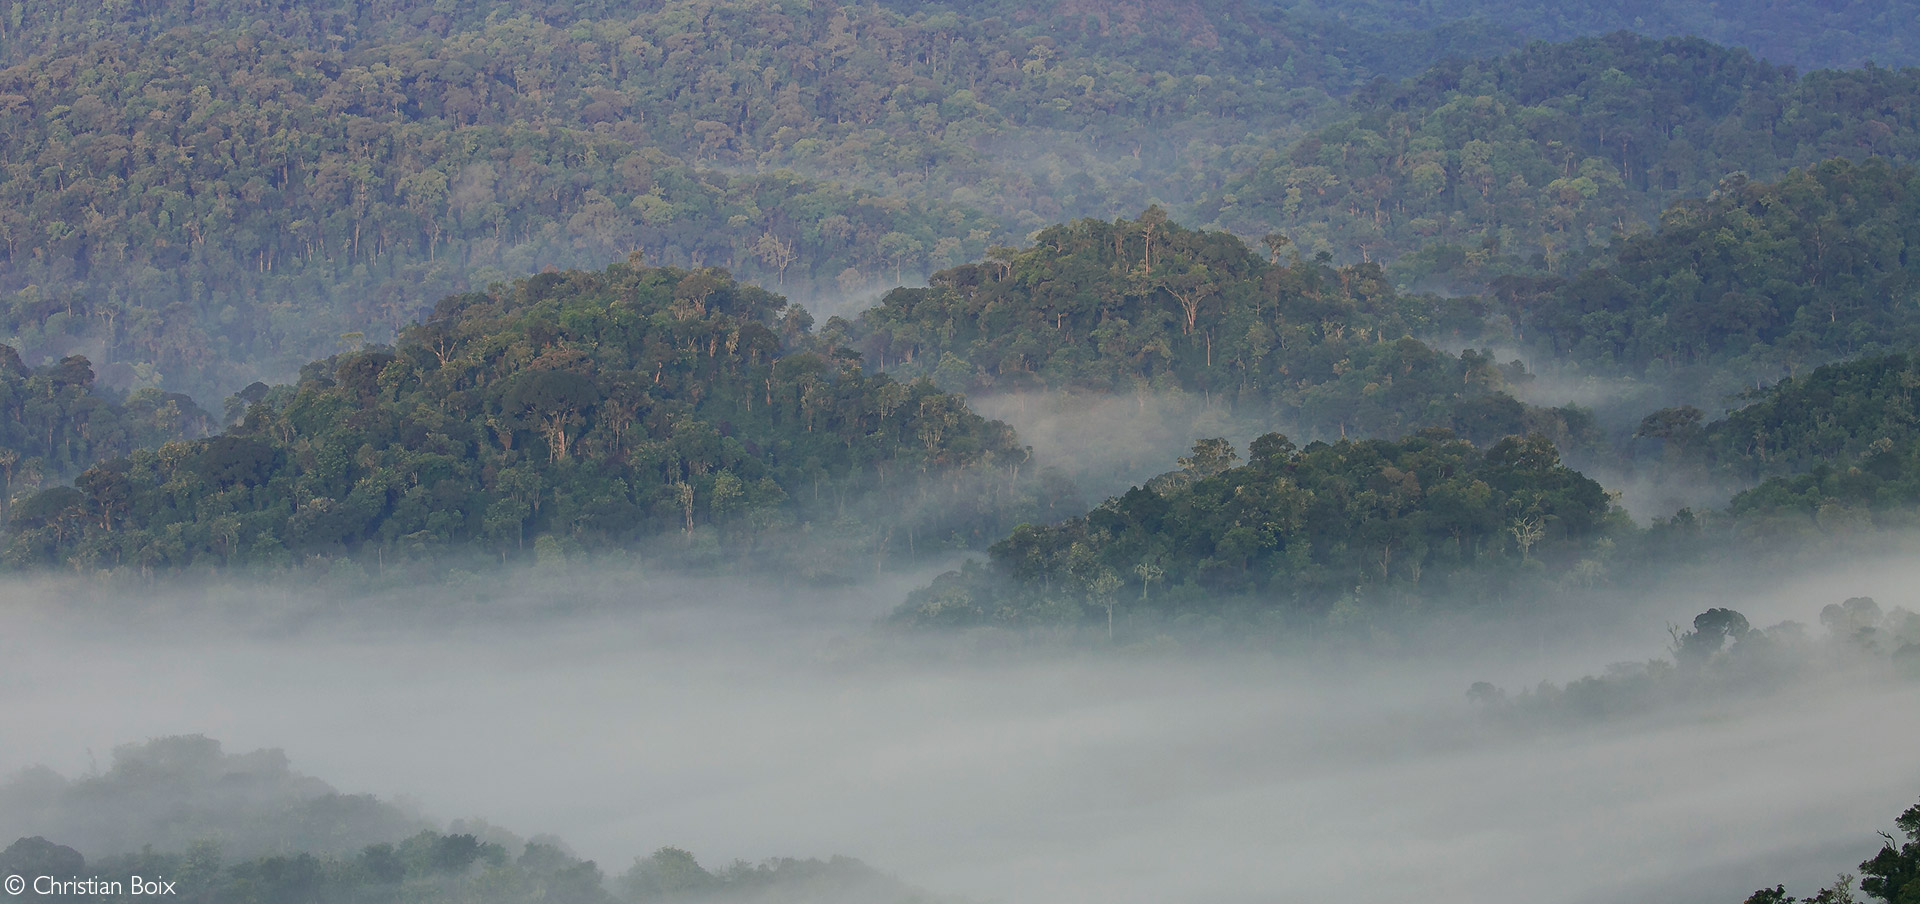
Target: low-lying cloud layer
x,y
626,711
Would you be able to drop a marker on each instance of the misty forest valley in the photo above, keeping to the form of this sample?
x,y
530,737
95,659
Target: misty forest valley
x,y
991,452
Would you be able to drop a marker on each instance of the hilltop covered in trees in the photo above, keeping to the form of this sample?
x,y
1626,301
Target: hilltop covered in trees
x,y
1136,306
1533,161
567,410
1318,535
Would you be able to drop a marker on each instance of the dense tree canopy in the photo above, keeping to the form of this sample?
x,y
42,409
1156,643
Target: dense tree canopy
x,y
563,410
217,190
1308,532
1837,415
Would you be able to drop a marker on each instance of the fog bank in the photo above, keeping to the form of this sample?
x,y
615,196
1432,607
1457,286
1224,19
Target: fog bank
x,y
626,711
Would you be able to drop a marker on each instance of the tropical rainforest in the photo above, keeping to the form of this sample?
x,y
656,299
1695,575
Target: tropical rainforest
x,y
1490,323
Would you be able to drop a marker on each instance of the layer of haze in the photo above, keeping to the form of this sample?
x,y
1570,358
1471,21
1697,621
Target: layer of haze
x,y
1108,443
623,711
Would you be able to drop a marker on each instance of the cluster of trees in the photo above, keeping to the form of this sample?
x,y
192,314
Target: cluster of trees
x,y
1532,162
55,422
1722,655
1755,280
1310,532
1145,305
566,410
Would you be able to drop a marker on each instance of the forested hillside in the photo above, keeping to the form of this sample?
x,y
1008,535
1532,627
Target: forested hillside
x,y
1139,306
232,827
1755,281
1533,161
565,411
1311,535
1800,34
210,193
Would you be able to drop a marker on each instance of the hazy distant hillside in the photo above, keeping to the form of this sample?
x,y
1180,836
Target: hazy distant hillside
x,y
1801,34
1535,160
215,192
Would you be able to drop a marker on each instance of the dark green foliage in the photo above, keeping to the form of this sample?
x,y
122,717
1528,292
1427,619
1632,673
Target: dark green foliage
x,y
565,411
1838,415
1521,162
1757,279
1893,875
1297,530
1837,449
1833,451
1145,305
56,422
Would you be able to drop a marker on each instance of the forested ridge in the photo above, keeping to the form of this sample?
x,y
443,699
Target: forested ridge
x,y
201,195
1532,162
1145,305
1328,534
1834,415
566,411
